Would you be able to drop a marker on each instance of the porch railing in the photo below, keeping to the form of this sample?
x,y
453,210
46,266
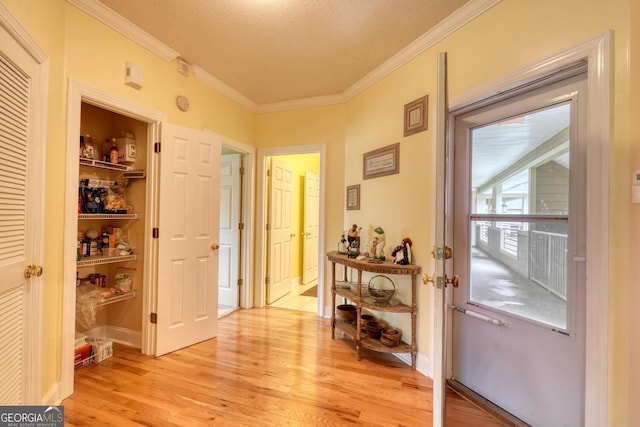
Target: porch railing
x,y
548,261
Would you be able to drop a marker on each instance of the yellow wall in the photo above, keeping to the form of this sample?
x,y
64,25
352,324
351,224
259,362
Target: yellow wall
x,y
301,163
511,35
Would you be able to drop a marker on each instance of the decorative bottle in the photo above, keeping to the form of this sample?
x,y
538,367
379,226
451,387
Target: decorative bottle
x,y
113,152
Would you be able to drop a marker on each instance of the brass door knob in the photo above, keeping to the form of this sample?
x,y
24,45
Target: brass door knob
x,y
215,246
32,270
429,278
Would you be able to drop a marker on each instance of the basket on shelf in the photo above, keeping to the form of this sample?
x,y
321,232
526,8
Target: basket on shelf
x,y
354,289
384,292
390,337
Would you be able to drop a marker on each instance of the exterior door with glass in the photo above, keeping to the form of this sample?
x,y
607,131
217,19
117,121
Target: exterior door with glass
x,y
518,317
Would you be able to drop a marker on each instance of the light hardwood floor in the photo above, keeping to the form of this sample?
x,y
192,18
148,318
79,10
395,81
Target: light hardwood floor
x,y
267,367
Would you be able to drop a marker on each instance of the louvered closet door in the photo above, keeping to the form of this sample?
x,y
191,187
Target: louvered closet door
x,y
16,235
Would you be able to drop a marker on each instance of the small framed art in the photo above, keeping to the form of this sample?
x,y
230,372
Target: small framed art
x,y
415,116
381,162
353,197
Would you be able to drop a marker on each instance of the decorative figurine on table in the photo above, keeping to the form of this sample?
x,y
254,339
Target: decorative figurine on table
x,y
353,237
342,246
377,246
402,253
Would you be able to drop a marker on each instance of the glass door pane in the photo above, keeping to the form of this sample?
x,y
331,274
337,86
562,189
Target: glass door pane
x,y
519,215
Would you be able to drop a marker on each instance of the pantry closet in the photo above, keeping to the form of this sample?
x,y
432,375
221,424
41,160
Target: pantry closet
x,y
110,252
112,202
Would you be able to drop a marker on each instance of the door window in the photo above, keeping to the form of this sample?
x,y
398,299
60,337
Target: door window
x,y
519,215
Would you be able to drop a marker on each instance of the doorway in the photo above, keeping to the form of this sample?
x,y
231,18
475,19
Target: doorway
x,y
293,232
305,292
236,224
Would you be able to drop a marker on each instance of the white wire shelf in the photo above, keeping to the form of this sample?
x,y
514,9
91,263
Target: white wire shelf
x,y
105,165
107,216
106,259
117,298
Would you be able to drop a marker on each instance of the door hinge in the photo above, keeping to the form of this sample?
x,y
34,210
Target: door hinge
x,y
240,283
155,232
241,226
266,280
268,227
268,172
241,170
156,147
442,253
153,318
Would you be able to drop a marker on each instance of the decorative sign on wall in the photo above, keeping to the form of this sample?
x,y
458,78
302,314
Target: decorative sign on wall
x,y
353,197
415,116
381,162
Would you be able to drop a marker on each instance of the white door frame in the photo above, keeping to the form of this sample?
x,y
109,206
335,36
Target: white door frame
x,y
77,93
38,146
261,206
248,154
597,53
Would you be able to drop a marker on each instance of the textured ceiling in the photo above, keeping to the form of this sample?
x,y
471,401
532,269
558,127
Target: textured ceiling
x,y
281,50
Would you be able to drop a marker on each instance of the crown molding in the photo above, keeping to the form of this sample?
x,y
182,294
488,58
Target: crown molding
x,y
448,26
226,90
122,25
318,101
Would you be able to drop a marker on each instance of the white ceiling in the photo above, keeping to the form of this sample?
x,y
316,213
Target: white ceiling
x,y
274,51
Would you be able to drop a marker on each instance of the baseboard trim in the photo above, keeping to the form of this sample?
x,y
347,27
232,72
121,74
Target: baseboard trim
x,y
124,336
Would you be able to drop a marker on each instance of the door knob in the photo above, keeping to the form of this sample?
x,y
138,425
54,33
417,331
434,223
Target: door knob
x,y
428,278
455,280
431,278
215,246
33,270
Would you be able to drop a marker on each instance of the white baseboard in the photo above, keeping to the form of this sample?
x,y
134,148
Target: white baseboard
x,y
128,337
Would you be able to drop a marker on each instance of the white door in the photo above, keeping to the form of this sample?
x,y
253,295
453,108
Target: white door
x,y
21,196
280,230
229,233
311,227
188,238
438,277
519,249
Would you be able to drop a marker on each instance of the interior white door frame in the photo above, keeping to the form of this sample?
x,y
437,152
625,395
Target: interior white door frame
x,y
77,93
261,206
597,53
247,216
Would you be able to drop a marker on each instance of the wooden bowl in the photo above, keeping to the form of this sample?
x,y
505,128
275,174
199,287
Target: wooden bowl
x,y
374,329
346,312
364,318
390,337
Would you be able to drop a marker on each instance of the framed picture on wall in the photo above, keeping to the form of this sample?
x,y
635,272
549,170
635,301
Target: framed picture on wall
x,y
353,197
381,162
415,116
